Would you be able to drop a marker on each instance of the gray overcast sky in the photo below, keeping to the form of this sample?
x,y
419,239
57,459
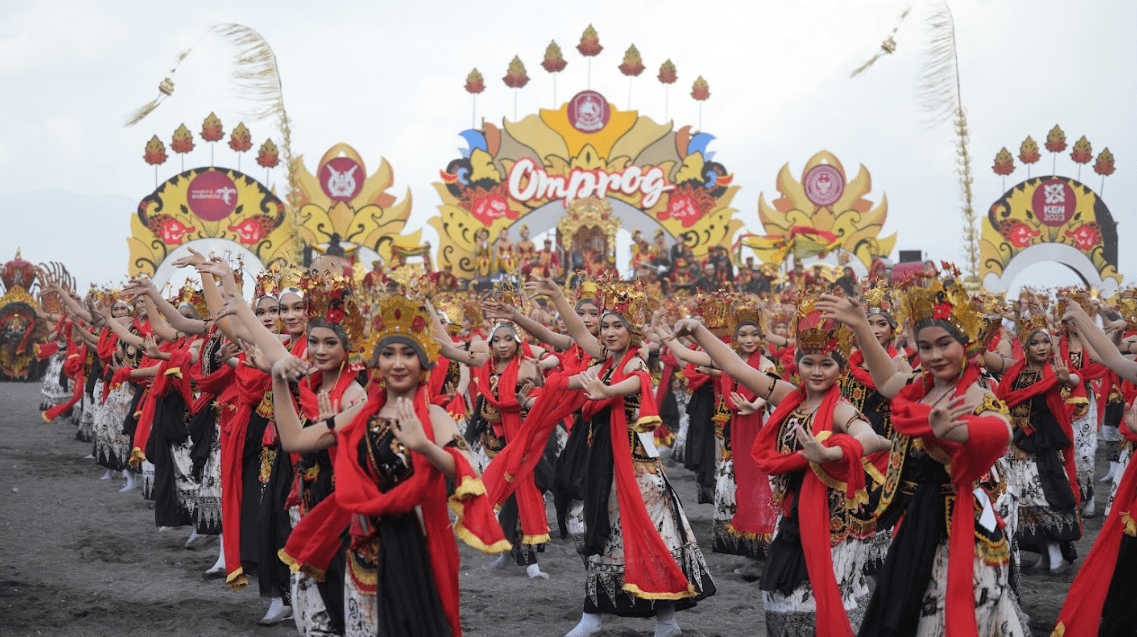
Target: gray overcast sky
x,y
387,78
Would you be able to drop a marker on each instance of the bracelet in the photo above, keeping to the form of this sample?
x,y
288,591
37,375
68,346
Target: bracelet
x,y
770,391
330,423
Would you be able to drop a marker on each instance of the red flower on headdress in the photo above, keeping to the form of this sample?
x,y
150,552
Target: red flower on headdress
x,y
943,311
335,316
418,324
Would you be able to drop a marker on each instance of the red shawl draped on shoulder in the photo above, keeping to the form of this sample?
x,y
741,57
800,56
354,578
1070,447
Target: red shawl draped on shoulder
x,y
530,504
813,506
755,514
649,572
316,539
1081,612
987,442
858,371
1054,402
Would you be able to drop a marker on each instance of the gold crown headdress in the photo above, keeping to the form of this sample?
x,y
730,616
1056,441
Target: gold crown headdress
x,y
398,316
1030,324
1077,294
472,312
744,312
950,303
630,301
715,310
818,335
195,298
588,289
1126,302
267,283
331,299
776,313
877,300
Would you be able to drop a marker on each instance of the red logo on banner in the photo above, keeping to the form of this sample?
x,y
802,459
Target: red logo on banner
x,y
588,111
1053,202
341,178
824,185
212,196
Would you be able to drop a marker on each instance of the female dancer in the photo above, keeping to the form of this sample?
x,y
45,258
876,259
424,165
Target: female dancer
x,y
395,451
948,431
1077,358
504,380
1100,601
814,580
1041,458
624,543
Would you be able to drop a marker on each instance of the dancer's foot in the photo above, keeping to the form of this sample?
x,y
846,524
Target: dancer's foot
x,y
534,572
1112,471
1088,509
198,539
107,475
750,572
277,612
131,483
589,625
502,561
665,624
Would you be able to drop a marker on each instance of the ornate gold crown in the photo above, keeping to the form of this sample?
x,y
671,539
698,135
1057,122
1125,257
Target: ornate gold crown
x,y
743,312
818,335
195,298
1077,294
289,276
472,312
397,315
1126,302
629,300
267,283
951,304
878,300
715,310
777,313
588,289
1029,325
331,299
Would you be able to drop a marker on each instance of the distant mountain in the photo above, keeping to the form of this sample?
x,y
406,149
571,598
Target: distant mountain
x,y
87,233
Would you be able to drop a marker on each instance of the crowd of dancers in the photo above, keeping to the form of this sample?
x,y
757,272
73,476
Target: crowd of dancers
x,y
880,455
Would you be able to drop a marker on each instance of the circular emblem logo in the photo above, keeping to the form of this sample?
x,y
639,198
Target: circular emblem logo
x,y
588,111
341,178
824,185
212,196
1053,202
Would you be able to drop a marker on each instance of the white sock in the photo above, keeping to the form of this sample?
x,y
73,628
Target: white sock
x,y
1088,508
276,613
589,624
534,571
1055,556
107,475
219,565
501,562
665,624
1112,471
131,483
1043,561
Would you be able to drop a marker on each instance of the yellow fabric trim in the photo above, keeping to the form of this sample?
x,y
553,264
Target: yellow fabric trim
x,y
729,529
873,472
176,372
470,487
1059,630
43,416
472,540
644,425
637,592
237,580
535,539
297,567
136,457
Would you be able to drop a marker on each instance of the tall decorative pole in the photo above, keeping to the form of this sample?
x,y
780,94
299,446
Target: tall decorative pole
x,y
182,143
1055,143
1104,167
554,63
1028,153
700,91
632,66
211,131
589,47
667,77
474,85
1082,154
156,156
515,78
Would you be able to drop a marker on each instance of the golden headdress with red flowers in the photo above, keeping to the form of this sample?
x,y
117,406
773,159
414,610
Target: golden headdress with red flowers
x,y
193,296
330,299
630,301
404,320
819,335
1077,294
878,300
715,309
1030,324
950,303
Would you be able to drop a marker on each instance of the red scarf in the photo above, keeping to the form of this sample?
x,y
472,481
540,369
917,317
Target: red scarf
x,y
813,507
73,369
316,539
1087,372
554,402
1081,613
755,513
251,388
530,504
858,371
649,570
108,341
987,442
173,374
1054,402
